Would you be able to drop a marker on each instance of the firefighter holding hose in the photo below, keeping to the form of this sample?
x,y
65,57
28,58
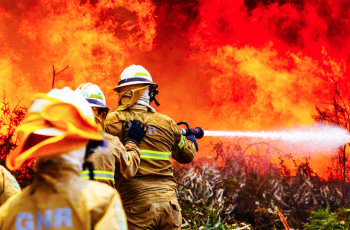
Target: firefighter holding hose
x,y
60,132
150,197
117,157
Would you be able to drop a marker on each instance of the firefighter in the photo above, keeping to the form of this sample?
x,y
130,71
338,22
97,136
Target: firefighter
x,y
150,197
125,160
8,185
58,131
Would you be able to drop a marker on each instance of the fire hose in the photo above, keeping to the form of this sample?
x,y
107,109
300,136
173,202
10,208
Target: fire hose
x,y
197,132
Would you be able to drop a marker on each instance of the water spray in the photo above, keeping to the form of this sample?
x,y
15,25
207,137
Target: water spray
x,y
313,137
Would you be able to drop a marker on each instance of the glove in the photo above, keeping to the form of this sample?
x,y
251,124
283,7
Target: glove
x,y
191,138
136,132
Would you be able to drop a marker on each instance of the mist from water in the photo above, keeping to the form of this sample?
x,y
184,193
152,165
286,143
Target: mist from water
x,y
314,137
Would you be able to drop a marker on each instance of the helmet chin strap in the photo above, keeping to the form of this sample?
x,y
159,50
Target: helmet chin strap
x,y
152,94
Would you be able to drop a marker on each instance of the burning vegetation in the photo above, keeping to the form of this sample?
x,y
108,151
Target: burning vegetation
x,y
9,120
224,65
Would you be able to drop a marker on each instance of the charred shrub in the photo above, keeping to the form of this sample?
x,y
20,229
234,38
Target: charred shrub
x,y
239,184
9,120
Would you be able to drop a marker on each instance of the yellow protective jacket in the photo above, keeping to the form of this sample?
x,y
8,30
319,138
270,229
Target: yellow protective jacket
x,y
116,160
8,185
154,180
59,199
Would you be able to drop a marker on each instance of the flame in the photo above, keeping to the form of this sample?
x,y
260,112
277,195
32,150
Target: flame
x,y
221,65
264,60
94,40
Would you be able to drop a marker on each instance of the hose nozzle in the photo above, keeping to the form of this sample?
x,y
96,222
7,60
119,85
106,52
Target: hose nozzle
x,y
197,132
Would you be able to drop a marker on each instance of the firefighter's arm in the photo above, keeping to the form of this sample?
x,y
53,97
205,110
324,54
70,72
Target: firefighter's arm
x,y
134,136
8,185
128,157
103,165
184,150
114,217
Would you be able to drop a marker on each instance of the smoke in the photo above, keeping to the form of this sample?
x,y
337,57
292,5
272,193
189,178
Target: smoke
x,y
314,138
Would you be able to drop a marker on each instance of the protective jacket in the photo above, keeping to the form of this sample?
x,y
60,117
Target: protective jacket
x,y
154,180
8,185
59,199
116,160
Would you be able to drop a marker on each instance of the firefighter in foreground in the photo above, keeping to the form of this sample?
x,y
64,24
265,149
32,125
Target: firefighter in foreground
x,y
150,197
8,185
58,130
124,160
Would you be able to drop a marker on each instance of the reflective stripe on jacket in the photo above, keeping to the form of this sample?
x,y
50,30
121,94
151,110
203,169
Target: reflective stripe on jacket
x,y
98,175
154,180
124,160
59,199
8,185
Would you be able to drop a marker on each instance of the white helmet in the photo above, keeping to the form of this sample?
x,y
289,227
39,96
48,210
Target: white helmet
x,y
134,74
93,95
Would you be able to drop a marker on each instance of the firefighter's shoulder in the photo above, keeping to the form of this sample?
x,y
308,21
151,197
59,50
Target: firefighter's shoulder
x,y
162,117
114,143
10,205
110,138
98,194
116,116
100,190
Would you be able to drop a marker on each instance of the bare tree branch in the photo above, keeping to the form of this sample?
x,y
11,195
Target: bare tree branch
x,y
55,74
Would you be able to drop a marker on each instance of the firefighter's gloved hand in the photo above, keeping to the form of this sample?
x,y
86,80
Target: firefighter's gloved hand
x,y
193,139
136,132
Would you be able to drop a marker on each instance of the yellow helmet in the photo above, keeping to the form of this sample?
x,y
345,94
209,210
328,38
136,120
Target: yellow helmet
x,y
58,122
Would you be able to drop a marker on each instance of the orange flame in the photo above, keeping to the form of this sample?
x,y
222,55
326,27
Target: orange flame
x,y
264,60
93,40
223,65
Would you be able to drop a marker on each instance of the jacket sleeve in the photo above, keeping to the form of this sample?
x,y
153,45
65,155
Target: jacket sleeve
x,y
114,217
117,159
127,157
184,150
8,185
103,165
